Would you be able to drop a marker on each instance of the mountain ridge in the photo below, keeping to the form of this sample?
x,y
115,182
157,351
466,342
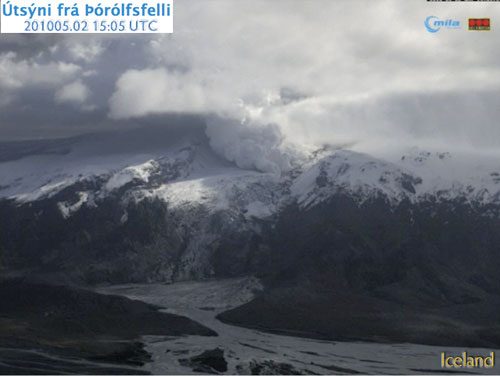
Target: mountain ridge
x,y
401,237
189,171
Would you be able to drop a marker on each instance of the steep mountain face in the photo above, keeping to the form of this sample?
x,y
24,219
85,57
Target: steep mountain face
x,y
151,205
155,214
381,235
419,273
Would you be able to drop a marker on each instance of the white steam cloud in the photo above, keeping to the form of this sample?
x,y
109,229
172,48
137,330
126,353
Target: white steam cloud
x,y
250,146
272,77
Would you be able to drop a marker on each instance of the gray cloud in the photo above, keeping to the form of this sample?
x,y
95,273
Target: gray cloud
x,y
269,75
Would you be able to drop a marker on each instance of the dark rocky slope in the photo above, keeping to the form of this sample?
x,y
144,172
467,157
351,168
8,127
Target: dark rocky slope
x,y
424,273
94,246
73,324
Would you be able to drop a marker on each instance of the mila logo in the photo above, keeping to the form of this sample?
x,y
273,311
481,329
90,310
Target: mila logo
x,y
433,24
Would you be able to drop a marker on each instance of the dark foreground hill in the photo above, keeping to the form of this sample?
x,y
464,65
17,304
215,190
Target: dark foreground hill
x,y
53,329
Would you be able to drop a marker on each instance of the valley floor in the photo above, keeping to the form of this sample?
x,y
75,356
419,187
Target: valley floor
x,y
249,351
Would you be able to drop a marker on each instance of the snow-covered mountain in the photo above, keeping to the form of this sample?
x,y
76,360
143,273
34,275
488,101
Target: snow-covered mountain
x,y
190,213
186,172
388,236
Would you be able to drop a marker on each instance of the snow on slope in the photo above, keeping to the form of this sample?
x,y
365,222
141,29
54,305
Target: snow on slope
x,y
449,175
141,171
187,172
415,175
38,177
224,188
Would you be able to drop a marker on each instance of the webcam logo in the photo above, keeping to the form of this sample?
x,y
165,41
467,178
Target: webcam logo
x,y
479,24
433,24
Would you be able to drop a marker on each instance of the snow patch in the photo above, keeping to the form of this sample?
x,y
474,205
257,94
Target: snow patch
x,y
140,172
259,209
45,191
68,209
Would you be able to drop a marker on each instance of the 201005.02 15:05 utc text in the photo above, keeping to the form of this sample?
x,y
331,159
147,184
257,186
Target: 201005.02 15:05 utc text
x,y
120,26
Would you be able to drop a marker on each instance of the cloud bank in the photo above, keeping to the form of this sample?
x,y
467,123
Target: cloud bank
x,y
271,77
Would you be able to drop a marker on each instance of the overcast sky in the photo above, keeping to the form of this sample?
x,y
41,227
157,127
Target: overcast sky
x,y
278,72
